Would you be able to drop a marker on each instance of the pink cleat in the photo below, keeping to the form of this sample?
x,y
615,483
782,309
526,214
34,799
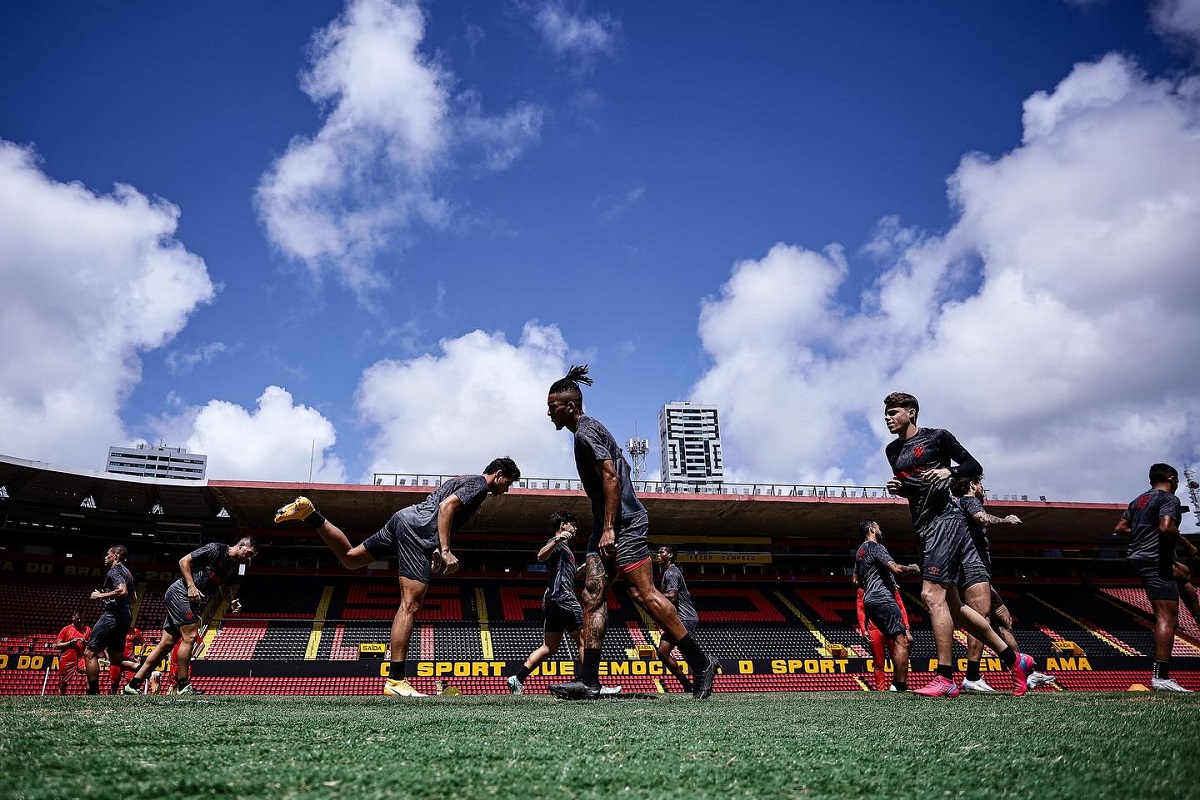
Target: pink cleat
x,y
938,687
1021,672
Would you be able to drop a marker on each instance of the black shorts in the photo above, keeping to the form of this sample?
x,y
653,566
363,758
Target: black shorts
x,y
414,557
885,615
562,618
689,625
632,545
948,552
978,569
180,613
108,634
1158,578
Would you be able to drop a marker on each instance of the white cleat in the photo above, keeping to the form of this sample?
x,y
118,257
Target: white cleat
x,y
1166,685
610,690
1037,679
980,686
515,686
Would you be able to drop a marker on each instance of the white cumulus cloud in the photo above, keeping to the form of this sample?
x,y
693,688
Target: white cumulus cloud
x,y
90,282
278,440
390,125
1051,328
456,410
1178,20
570,34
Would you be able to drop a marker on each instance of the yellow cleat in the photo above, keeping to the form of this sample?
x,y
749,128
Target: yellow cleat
x,y
300,508
400,688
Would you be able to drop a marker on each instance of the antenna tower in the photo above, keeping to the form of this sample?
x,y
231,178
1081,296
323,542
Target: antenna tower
x,y
1193,489
638,448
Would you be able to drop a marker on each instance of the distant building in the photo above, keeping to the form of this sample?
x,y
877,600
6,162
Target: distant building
x,y
156,461
690,445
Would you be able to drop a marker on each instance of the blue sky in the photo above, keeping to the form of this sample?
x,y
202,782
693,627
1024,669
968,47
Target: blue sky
x,y
381,229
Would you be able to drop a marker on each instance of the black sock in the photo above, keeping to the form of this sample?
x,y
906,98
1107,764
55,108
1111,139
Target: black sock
x,y
589,674
396,672
946,671
93,687
696,658
972,670
1162,670
1008,657
523,673
135,682
182,682
315,519
901,686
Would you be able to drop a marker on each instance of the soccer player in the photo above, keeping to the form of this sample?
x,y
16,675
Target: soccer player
x,y
213,567
108,634
923,461
876,572
70,644
674,588
617,546
416,536
133,639
560,605
1152,520
977,586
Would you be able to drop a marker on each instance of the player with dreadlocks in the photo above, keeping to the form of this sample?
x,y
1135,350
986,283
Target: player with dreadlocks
x,y
618,544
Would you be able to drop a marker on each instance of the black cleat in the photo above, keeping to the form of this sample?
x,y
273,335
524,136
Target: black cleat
x,y
575,690
705,679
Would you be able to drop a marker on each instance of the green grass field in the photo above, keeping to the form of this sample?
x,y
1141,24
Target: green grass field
x,y
735,746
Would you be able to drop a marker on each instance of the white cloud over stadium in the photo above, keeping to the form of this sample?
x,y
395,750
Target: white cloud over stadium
x,y
1051,327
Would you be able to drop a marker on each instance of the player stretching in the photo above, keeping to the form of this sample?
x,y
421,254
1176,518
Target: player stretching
x,y
71,641
617,545
977,583
414,536
559,604
921,461
108,634
1152,519
674,588
876,572
215,566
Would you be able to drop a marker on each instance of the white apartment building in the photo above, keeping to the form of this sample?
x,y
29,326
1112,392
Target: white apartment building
x,y
690,445
156,461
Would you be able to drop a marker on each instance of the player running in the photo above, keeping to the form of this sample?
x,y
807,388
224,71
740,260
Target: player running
x,y
414,536
108,634
674,588
559,603
977,586
617,546
70,644
876,571
1152,520
213,567
923,460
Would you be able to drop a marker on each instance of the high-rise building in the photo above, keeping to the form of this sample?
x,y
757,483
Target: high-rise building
x,y
690,445
156,461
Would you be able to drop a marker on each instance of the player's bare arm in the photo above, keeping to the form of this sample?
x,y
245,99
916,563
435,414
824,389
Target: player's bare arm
x,y
185,570
607,471
901,571
984,518
1169,528
446,511
118,591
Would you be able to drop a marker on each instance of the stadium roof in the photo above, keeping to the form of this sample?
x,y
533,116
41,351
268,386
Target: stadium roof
x,y
364,508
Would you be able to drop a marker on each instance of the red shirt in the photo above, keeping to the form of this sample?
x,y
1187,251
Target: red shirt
x,y
73,652
132,640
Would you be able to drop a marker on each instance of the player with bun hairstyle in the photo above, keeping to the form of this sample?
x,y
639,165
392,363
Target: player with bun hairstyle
x,y
618,544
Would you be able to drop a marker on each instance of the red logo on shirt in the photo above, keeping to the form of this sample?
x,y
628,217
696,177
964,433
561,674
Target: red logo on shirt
x,y
918,451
